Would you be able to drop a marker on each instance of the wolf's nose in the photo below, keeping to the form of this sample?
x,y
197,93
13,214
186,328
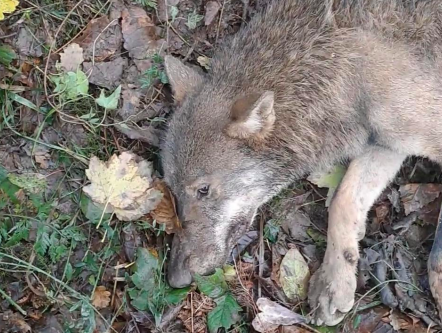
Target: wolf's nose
x,y
179,277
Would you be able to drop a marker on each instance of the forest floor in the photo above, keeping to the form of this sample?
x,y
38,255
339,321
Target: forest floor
x,y
83,79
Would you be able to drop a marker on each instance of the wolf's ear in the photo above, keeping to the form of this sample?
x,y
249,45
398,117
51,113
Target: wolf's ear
x,y
182,78
252,116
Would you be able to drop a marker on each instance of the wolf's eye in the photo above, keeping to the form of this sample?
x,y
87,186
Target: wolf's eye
x,y
203,191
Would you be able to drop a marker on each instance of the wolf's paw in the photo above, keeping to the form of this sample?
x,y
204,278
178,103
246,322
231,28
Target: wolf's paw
x,y
331,293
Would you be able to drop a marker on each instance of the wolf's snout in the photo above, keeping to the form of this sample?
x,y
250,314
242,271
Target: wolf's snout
x,y
178,271
179,277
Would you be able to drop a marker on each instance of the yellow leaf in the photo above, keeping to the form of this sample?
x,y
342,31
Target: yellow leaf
x,y
123,185
7,7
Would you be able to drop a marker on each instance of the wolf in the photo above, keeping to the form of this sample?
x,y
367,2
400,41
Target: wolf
x,y
304,85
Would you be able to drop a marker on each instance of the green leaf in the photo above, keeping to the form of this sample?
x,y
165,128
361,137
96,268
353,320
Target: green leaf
x,y
163,77
23,101
229,272
357,321
3,173
147,265
330,180
213,285
139,299
69,271
10,190
6,55
294,275
271,231
57,252
32,183
76,306
193,19
74,233
317,237
174,296
173,11
91,210
110,102
21,232
42,241
71,84
326,329
225,314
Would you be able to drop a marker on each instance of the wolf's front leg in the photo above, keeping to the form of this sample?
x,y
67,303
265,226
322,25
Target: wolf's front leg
x,y
332,287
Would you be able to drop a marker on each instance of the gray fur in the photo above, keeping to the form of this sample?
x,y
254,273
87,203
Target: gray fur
x,y
345,76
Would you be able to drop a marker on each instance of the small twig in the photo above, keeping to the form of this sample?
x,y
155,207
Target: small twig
x,y
181,37
135,323
12,302
117,270
7,36
28,281
191,311
191,49
219,22
261,254
309,328
95,43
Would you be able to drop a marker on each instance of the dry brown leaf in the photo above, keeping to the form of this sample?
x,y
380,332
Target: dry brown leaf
x,y
106,74
101,297
416,196
212,8
148,134
14,322
101,38
382,212
165,211
399,321
35,314
72,57
42,156
139,33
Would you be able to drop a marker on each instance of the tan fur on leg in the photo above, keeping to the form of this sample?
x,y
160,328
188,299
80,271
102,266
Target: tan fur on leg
x,y
333,286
